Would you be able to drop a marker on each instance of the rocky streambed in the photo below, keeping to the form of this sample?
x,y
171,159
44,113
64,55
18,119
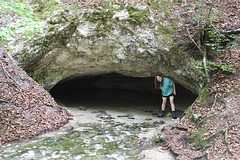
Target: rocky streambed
x,y
97,134
121,126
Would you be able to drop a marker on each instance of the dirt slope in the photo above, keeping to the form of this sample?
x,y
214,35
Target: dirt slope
x,y
26,109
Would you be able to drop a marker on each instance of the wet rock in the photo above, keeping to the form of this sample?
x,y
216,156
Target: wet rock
x,y
82,108
131,116
155,113
96,142
148,119
147,125
82,129
98,146
159,122
122,116
99,111
107,117
105,140
67,129
149,111
108,121
144,143
169,114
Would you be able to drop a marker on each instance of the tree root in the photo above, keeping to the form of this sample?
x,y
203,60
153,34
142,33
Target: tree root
x,y
236,124
176,153
214,147
225,133
225,136
214,102
206,118
7,74
200,156
234,140
225,106
223,153
2,100
237,132
181,128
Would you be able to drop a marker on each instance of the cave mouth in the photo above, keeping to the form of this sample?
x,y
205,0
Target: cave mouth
x,y
116,91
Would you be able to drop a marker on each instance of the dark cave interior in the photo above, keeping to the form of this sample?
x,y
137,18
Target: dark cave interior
x,y
116,90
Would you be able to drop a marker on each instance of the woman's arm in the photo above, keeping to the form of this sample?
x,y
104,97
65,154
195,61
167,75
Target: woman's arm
x,y
175,93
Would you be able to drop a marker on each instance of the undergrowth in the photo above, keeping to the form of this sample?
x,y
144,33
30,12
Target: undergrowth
x,y
24,24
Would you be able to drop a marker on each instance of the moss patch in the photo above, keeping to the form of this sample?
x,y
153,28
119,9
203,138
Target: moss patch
x,y
137,16
102,15
205,96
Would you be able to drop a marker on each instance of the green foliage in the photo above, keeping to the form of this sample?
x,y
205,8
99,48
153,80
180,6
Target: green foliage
x,y
196,138
204,96
217,41
26,24
203,91
168,114
235,43
212,66
137,15
158,140
99,15
161,6
188,112
178,1
197,116
44,8
214,40
204,121
231,93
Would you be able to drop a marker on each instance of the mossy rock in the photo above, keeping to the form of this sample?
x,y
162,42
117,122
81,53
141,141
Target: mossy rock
x,y
102,15
169,114
137,16
205,96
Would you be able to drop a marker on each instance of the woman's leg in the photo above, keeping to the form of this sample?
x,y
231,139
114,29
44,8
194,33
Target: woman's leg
x,y
164,101
172,103
173,107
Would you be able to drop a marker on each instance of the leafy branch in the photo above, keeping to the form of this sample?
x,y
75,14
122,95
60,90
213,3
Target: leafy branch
x,y
210,36
24,22
211,66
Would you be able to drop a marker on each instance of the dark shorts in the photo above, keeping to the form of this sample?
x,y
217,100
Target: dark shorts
x,y
172,94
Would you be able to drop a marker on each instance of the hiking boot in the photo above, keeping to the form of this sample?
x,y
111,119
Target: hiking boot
x,y
161,114
174,115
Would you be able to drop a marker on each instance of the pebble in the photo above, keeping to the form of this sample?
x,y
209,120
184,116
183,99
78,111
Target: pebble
x,y
148,119
131,117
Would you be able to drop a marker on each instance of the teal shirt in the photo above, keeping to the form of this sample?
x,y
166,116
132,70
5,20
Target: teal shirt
x,y
167,87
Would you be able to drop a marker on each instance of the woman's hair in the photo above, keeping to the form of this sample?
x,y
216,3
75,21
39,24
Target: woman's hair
x,y
156,83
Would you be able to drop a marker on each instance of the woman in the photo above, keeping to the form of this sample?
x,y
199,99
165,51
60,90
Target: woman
x,y
168,90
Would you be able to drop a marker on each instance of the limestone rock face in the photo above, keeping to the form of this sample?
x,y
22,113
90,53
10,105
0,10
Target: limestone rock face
x,y
84,43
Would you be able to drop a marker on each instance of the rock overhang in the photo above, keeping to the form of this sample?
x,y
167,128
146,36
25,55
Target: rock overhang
x,y
73,50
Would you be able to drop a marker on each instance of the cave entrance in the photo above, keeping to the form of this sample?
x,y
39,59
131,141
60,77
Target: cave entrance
x,y
115,92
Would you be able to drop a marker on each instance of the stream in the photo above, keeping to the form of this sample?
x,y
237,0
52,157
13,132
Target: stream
x,y
107,125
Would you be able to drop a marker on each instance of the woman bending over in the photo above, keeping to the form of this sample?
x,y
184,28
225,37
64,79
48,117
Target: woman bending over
x,y
168,90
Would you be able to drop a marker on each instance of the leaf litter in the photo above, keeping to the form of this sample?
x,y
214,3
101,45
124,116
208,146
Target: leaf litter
x,y
26,108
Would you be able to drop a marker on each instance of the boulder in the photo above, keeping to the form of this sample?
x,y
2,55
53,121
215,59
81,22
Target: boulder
x,y
127,40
